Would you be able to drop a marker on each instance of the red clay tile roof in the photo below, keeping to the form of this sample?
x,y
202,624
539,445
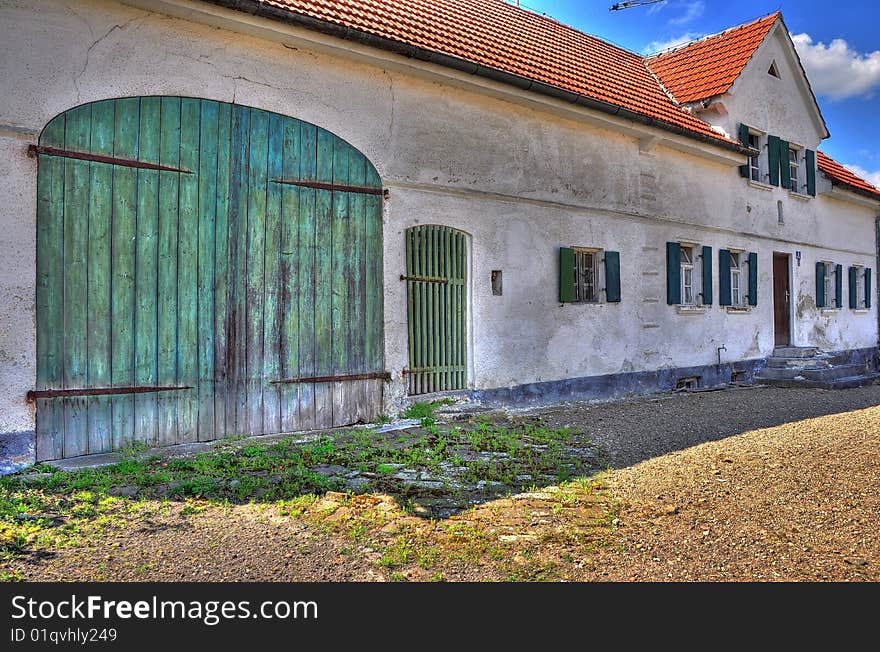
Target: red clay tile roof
x,y
501,36
839,175
709,67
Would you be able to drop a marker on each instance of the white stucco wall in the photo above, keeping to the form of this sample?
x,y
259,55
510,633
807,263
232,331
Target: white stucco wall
x,y
520,179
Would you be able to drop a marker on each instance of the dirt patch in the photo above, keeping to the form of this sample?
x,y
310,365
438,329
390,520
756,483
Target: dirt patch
x,y
763,484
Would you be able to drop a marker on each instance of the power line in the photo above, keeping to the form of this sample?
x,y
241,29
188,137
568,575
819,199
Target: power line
x,y
633,3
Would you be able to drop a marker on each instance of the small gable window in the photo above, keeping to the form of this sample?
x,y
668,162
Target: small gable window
x,y
774,71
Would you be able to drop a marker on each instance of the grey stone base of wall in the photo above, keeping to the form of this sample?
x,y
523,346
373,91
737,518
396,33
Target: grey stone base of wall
x,y
18,449
623,385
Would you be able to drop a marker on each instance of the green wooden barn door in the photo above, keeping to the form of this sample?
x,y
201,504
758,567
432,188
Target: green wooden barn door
x,y
436,278
203,269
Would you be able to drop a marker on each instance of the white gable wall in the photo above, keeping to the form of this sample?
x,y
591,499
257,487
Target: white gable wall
x,y
521,181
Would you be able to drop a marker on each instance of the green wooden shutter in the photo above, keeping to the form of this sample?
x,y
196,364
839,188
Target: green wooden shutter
x,y
673,273
724,298
567,275
784,168
744,139
707,276
867,287
753,279
838,286
853,289
820,285
811,172
773,158
612,276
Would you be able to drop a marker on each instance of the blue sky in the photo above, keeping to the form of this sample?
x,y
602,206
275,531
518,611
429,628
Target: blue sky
x,y
839,44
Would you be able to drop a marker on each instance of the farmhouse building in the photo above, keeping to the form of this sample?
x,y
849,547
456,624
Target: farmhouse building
x,y
227,217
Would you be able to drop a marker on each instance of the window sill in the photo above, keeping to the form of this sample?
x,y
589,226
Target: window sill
x,y
692,310
829,311
799,196
738,310
760,185
861,311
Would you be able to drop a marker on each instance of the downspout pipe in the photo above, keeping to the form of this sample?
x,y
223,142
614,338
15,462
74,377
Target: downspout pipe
x,y
256,8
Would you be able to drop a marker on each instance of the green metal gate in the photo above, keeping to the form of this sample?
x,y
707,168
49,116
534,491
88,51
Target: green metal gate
x,y
203,269
436,279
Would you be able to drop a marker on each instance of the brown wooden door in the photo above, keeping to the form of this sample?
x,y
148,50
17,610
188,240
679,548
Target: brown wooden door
x,y
781,300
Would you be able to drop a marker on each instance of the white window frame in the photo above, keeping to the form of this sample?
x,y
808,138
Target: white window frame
x,y
794,167
755,161
860,288
688,272
580,271
737,296
831,285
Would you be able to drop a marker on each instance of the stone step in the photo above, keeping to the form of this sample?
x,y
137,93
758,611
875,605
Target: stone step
x,y
834,373
779,373
799,363
795,352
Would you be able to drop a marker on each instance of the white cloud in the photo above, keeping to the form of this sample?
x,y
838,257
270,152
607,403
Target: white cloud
x,y
836,70
871,177
693,9
659,46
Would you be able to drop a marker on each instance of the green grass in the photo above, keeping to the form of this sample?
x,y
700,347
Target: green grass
x,y
424,409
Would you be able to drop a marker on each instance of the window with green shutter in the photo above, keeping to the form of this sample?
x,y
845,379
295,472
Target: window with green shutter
x,y
810,163
820,284
753,279
673,273
867,287
774,159
581,271
706,261
854,287
724,289
838,286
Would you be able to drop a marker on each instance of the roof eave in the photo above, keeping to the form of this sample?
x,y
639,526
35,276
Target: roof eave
x,y
835,183
256,8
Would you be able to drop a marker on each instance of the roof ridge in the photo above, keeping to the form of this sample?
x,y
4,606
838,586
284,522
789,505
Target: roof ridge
x,y
682,46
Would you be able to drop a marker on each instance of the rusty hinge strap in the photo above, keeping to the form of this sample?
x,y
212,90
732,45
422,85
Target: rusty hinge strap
x,y
100,158
424,279
98,391
383,375
363,190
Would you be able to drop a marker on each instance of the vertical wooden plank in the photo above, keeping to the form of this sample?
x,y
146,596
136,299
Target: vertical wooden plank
x,y
256,232
187,272
324,281
50,293
462,309
169,183
290,261
208,130
236,347
410,310
99,324
76,237
420,311
146,265
340,271
357,328
307,247
222,268
272,279
124,271
374,287
447,318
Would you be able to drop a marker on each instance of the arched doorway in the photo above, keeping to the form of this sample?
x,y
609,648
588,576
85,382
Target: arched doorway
x,y
203,269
